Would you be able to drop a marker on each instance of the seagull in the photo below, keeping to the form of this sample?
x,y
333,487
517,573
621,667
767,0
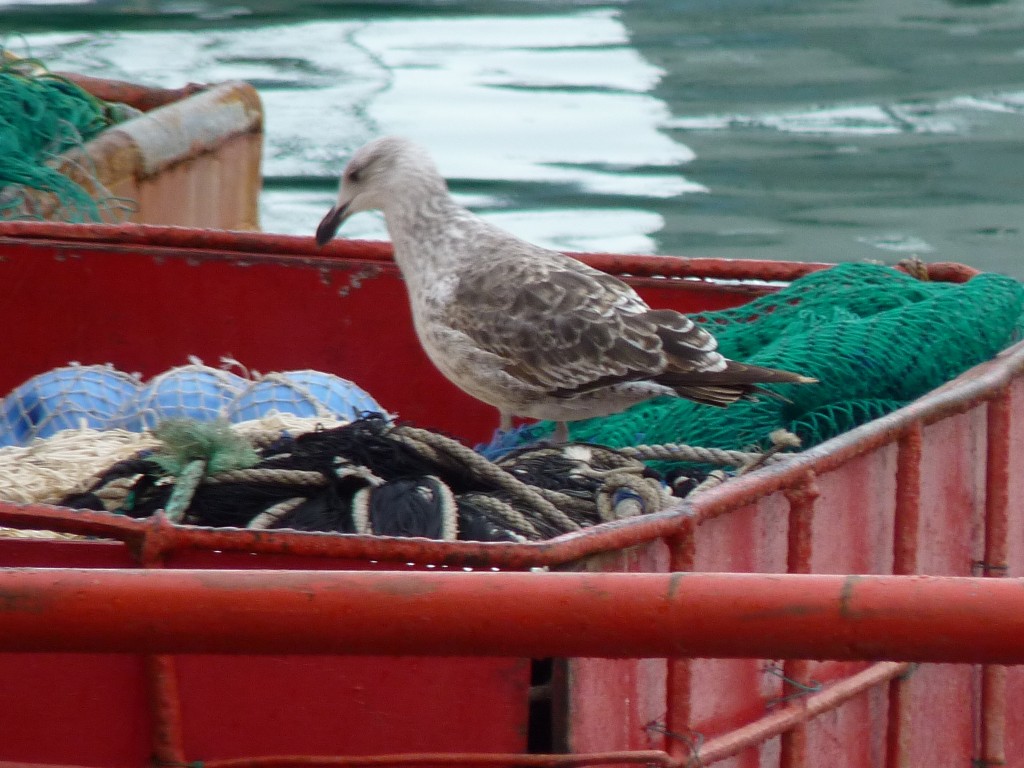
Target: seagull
x,y
532,332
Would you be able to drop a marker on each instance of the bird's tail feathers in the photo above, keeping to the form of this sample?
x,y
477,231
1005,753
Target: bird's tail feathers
x,y
737,381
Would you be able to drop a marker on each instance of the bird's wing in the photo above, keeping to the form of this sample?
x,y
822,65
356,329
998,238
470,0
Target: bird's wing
x,y
566,328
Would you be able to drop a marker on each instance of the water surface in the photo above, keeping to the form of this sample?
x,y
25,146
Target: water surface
x,y
814,130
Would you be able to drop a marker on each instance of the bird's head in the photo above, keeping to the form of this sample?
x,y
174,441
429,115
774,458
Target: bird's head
x,y
380,173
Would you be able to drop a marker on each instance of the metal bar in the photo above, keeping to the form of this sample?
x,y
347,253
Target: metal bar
x,y
163,696
801,514
784,719
997,486
158,536
908,502
899,734
139,96
997,506
251,243
798,560
906,529
645,757
679,672
610,615
165,707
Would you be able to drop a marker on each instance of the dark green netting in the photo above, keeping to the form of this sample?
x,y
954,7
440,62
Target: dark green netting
x,y
874,337
41,116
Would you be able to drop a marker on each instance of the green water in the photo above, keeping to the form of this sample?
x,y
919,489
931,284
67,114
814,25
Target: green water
x,y
824,130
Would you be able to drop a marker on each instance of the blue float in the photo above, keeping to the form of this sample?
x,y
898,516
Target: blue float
x,y
64,398
188,392
302,393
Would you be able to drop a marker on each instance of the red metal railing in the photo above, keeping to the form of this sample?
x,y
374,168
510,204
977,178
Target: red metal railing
x,y
535,615
156,538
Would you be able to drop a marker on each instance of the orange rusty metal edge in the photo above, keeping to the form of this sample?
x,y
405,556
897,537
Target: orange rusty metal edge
x,y
143,235
139,96
942,619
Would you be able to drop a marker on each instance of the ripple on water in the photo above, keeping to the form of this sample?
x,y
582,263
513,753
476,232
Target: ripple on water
x,y
558,99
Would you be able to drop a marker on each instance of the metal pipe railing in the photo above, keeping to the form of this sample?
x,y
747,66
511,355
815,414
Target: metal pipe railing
x,y
612,615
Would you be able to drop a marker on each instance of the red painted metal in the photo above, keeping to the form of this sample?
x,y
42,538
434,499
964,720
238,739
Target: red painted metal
x,y
908,502
923,490
638,757
995,564
679,672
611,615
797,672
796,714
421,759
165,704
138,96
617,703
906,523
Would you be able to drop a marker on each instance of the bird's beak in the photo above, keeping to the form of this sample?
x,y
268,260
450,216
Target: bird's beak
x,y
330,223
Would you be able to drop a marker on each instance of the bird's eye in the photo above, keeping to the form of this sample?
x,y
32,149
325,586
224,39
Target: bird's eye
x,y
353,175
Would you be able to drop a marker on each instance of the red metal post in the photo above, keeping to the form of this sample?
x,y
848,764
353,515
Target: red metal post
x,y
908,501
997,503
797,713
905,533
798,560
165,708
678,681
164,697
610,615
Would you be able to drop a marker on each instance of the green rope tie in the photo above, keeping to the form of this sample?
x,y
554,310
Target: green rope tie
x,y
184,490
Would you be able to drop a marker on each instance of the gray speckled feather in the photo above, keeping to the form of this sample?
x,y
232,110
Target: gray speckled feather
x,y
531,331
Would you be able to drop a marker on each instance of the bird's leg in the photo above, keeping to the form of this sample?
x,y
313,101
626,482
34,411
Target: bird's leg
x,y
561,433
504,421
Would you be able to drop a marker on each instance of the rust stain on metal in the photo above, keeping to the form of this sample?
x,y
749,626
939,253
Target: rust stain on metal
x,y
17,601
674,585
846,610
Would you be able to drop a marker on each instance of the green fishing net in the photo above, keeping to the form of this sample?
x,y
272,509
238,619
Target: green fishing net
x,y
874,337
41,116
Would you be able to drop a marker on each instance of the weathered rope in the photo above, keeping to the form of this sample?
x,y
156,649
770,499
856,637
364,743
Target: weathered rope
x,y
506,513
780,440
679,452
531,494
299,477
439,446
116,493
272,514
646,496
